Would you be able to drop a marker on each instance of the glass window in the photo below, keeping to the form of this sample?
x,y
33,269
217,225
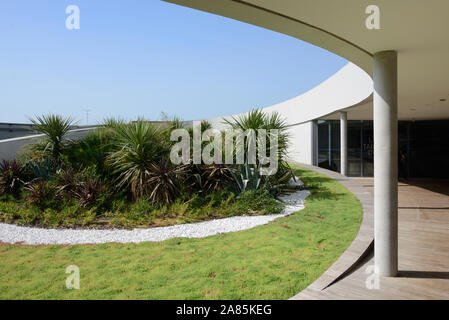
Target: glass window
x,y
367,149
354,148
329,144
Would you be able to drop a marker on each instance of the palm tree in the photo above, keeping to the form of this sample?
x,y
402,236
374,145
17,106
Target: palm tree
x,y
55,129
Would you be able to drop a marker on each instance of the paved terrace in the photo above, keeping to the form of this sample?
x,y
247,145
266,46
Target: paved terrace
x,y
423,246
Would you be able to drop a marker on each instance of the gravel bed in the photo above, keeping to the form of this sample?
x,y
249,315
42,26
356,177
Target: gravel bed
x,y
34,236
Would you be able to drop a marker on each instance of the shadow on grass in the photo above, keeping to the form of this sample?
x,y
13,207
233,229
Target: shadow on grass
x,y
317,186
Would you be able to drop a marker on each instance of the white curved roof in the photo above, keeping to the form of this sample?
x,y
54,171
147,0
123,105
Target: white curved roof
x,y
349,86
416,29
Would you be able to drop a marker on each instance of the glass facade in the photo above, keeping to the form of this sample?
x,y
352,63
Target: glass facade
x,y
423,148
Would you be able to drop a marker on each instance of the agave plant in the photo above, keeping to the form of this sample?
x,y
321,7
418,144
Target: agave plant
x,y
55,129
138,146
43,168
12,176
247,177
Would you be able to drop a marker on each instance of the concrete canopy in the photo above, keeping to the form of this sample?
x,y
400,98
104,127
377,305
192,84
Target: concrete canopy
x,y
416,29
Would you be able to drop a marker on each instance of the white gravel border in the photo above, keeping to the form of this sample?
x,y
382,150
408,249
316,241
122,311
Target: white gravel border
x,y
34,236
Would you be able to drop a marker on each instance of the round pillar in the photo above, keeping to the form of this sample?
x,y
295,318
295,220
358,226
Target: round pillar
x,y
385,114
343,143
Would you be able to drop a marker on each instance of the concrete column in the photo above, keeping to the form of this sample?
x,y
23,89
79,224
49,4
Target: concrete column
x,y
343,143
315,142
385,163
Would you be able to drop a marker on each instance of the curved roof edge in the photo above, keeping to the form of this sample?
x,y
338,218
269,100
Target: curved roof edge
x,y
275,21
348,87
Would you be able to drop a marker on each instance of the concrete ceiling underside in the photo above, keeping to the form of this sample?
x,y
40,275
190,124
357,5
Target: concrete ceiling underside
x,y
416,29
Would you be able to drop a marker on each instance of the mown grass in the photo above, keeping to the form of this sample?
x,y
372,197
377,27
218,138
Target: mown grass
x,y
274,261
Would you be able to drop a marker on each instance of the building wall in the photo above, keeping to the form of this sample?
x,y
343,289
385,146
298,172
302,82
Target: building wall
x,y
14,130
10,147
303,143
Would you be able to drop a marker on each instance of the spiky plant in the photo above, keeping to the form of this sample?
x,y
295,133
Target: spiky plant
x,y
55,129
204,125
41,193
92,150
43,168
66,181
247,177
12,177
138,145
216,177
258,119
163,181
87,192
113,122
173,124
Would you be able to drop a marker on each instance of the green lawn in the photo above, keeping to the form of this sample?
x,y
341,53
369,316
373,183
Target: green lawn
x,y
274,261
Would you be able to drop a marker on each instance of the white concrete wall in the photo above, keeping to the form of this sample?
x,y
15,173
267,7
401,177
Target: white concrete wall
x,y
10,147
302,147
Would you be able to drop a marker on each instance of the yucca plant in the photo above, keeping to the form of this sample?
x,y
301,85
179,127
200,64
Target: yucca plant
x,y
113,122
55,129
137,146
204,125
12,177
175,123
258,119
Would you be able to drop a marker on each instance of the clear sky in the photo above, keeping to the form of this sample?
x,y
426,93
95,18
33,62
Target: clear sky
x,y
141,57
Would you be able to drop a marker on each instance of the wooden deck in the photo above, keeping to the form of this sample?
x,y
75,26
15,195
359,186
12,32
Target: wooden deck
x,y
423,249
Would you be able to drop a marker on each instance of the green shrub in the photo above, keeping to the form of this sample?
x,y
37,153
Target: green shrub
x,y
92,150
259,202
140,209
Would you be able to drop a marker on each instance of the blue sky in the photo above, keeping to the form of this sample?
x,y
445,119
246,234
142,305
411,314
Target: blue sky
x,y
141,57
